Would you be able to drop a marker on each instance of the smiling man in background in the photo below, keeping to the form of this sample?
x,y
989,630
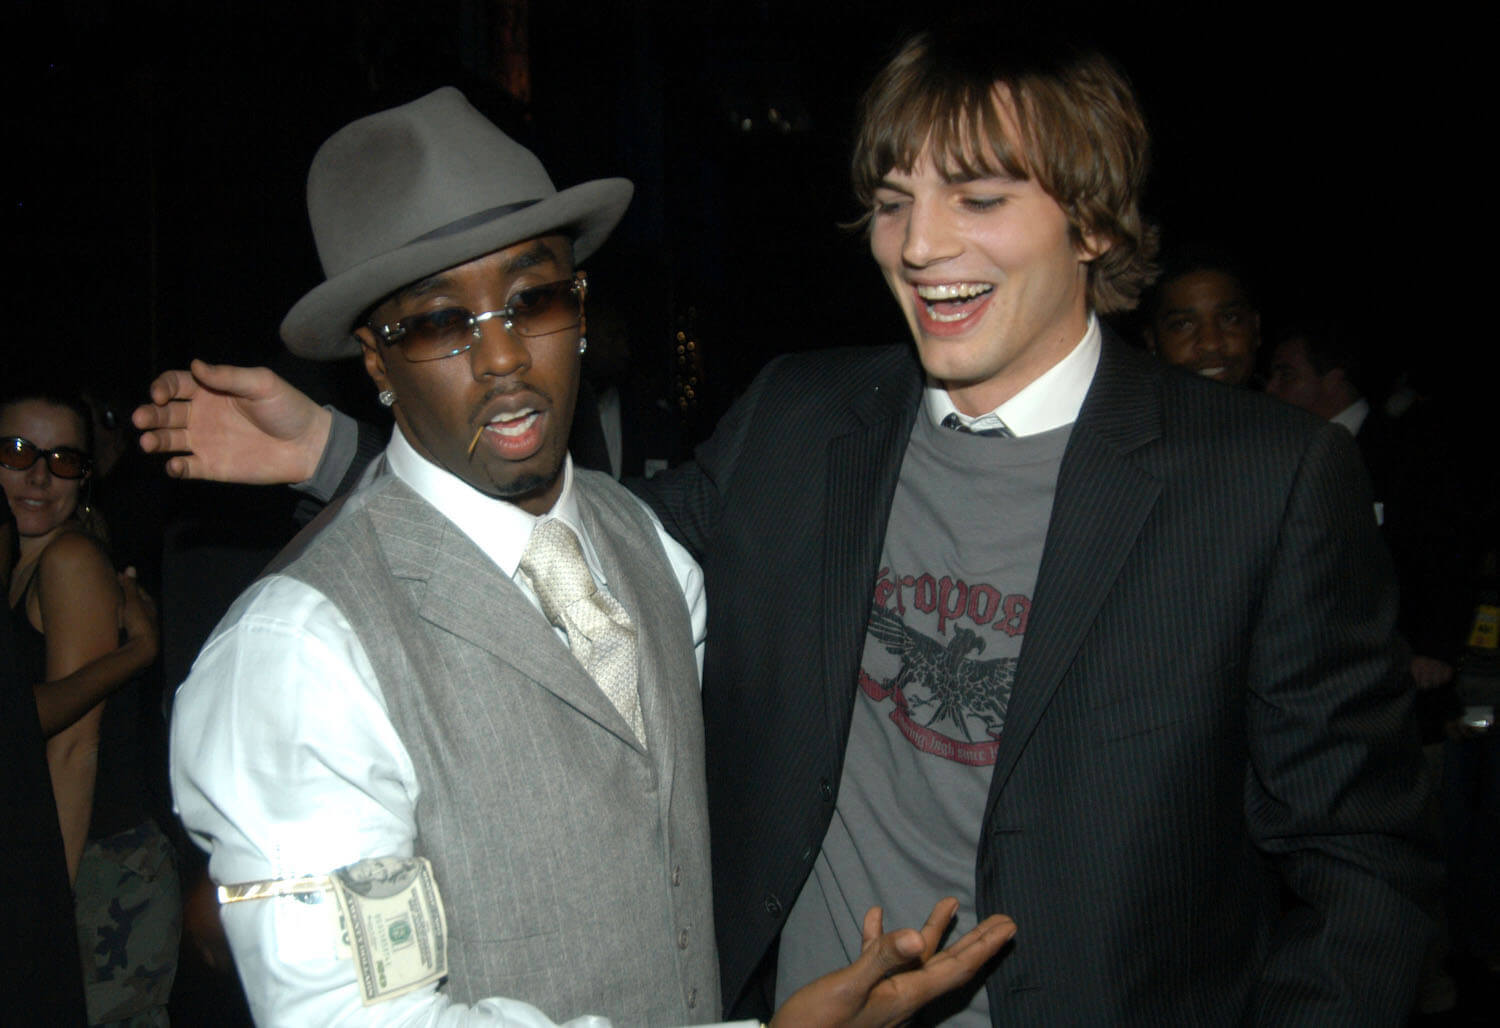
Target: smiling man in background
x,y
1204,319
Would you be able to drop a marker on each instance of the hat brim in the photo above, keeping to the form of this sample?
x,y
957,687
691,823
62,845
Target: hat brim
x,y
320,326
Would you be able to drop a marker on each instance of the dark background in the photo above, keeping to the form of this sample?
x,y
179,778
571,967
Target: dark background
x,y
157,153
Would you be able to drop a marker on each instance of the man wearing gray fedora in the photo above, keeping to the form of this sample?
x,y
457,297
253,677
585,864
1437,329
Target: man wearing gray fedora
x,y
448,759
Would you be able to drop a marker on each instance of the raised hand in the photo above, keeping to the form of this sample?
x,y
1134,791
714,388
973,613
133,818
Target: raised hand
x,y
231,424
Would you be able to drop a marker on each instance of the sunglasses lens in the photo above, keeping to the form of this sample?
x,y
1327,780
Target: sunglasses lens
x,y
67,463
20,454
538,311
542,310
17,454
435,333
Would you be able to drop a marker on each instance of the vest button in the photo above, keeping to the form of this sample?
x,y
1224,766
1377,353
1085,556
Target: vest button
x,y
692,999
677,875
682,939
825,789
773,905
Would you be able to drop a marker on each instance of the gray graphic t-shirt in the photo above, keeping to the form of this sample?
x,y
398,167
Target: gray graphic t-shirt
x,y
947,619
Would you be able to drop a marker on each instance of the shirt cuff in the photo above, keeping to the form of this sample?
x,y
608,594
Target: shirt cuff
x,y
338,460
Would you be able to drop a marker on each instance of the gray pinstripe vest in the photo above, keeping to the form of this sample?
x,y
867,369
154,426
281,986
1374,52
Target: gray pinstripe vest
x,y
573,864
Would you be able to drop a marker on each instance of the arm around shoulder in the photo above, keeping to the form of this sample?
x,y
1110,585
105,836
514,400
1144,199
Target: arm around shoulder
x,y
689,498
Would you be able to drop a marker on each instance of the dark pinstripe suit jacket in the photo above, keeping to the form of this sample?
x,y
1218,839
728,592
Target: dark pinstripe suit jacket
x,y
1203,805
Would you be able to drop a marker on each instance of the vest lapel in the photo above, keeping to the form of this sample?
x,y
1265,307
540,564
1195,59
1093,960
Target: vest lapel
x,y
480,604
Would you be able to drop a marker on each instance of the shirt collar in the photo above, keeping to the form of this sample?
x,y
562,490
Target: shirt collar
x,y
1052,400
1353,416
499,528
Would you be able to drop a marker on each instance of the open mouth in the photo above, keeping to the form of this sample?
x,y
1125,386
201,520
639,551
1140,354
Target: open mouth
x,y
952,301
512,434
514,423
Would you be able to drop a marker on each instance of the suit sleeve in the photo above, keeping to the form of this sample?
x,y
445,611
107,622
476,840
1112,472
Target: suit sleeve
x,y
352,446
689,499
1335,792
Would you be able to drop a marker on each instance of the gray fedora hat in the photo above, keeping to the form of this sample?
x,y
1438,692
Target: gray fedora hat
x,y
407,192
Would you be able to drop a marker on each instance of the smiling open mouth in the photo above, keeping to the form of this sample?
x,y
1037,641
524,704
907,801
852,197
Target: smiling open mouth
x,y
952,301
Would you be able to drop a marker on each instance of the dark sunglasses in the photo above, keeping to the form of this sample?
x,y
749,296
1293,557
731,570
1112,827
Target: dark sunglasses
x,y
65,462
537,311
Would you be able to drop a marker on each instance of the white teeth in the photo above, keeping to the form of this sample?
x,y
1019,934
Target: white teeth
x,y
937,315
952,291
513,424
511,415
1212,372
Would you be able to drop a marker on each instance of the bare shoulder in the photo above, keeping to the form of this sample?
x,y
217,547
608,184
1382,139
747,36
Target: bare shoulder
x,y
76,566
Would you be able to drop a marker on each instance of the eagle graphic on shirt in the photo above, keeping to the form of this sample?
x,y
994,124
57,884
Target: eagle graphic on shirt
x,y
946,702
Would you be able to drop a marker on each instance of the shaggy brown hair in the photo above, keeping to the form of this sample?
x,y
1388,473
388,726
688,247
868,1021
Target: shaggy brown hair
x,y
1082,137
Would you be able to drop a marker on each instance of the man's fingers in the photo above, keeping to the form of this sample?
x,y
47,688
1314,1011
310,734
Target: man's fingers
x,y
937,924
165,440
173,385
180,467
890,953
978,944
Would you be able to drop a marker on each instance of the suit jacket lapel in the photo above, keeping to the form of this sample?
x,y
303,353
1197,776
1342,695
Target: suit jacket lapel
x,y
864,464
1102,500
481,605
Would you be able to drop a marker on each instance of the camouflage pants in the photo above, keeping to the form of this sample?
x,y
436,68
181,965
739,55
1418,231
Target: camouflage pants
x,y
129,911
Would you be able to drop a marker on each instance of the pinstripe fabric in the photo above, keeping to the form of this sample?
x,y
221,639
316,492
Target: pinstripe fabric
x,y
1203,711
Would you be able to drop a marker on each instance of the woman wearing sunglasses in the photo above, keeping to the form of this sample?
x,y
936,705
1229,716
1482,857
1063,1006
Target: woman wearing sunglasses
x,y
64,605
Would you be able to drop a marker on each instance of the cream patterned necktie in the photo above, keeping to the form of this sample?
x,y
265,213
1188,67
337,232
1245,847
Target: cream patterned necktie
x,y
599,631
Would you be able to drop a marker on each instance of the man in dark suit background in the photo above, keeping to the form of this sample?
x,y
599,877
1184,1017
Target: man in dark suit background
x,y
1416,478
1034,618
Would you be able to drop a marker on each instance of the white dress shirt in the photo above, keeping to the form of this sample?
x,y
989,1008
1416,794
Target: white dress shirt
x,y
1051,401
285,764
1353,416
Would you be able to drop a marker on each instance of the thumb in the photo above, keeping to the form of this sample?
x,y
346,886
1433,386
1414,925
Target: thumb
x,y
233,379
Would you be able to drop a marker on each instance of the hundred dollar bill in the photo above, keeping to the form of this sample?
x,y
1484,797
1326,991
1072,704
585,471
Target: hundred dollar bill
x,y
393,916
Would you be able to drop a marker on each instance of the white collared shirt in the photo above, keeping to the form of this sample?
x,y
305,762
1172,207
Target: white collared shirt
x,y
1353,416
501,530
1051,401
285,764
